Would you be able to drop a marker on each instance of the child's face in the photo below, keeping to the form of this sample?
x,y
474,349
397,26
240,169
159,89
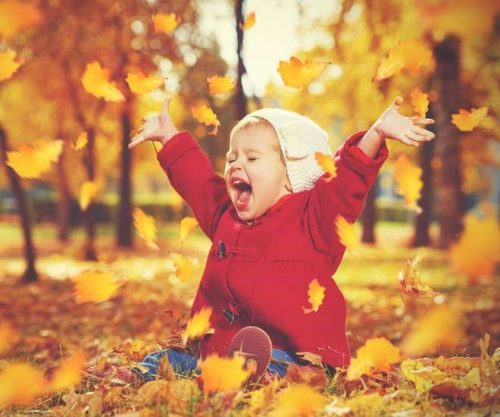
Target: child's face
x,y
255,174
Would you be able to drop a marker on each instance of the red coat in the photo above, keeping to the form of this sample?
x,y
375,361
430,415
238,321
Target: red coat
x,y
259,273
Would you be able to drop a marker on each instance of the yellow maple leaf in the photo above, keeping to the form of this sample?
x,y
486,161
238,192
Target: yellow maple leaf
x,y
377,353
88,192
8,66
249,21
408,55
420,102
408,181
140,84
31,161
219,85
81,141
298,400
145,226
466,120
439,328
326,163
188,224
476,253
165,22
95,286
8,337
222,374
205,115
316,295
347,233
198,324
16,16
95,81
69,373
297,74
20,384
183,267
409,282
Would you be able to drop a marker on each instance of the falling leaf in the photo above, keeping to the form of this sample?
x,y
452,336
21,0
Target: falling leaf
x,y
32,161
466,120
316,295
16,16
183,267
296,73
88,192
377,353
439,328
409,281
420,102
81,141
94,286
326,163
20,384
347,233
476,253
7,64
198,325
205,115
219,85
249,21
95,80
8,337
146,227
408,181
140,84
298,400
69,373
188,224
222,374
165,23
408,55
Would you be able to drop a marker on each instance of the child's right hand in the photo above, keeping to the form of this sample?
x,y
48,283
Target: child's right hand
x,y
158,127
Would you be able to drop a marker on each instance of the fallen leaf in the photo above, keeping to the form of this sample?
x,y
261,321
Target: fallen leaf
x,y
81,141
16,16
219,85
408,181
95,286
8,66
409,282
466,120
69,374
420,102
297,74
198,324
88,193
20,384
326,163
347,233
249,21
316,295
165,22
205,115
298,400
183,267
188,224
96,81
222,374
145,226
32,161
140,84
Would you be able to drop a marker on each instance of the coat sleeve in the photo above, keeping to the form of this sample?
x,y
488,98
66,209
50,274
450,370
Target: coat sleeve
x,y
191,174
343,195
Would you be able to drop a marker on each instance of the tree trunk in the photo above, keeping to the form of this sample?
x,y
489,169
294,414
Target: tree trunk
x,y
369,216
63,201
124,225
88,214
450,199
30,274
240,98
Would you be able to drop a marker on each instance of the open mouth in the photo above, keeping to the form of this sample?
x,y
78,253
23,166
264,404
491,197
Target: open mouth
x,y
243,193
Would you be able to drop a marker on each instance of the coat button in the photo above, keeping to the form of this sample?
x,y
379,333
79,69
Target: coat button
x,y
221,248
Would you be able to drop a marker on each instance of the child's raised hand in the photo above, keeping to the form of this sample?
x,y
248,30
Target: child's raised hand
x,y
158,127
393,125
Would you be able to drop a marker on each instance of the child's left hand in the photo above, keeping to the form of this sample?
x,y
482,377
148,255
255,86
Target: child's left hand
x,y
393,125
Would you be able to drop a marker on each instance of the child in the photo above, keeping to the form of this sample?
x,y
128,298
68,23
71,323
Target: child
x,y
271,220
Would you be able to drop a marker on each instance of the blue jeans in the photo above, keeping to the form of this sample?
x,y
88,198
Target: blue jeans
x,y
185,364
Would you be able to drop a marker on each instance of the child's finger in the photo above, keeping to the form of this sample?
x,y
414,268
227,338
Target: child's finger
x,y
422,120
398,101
412,136
423,133
136,141
165,106
408,141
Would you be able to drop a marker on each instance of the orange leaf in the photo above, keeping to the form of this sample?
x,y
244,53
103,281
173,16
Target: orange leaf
x,y
81,141
465,120
408,180
20,384
408,55
31,162
377,353
94,286
205,115
69,373
219,85
188,224
8,338
7,64
146,227
297,74
165,23
140,84
249,21
16,16
409,282
298,400
95,80
198,325
88,193
347,233
326,163
223,374
420,102
183,267
316,294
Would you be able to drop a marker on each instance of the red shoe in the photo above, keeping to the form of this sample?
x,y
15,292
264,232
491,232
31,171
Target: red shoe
x,y
254,344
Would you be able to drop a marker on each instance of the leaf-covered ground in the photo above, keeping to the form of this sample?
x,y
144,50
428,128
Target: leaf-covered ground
x,y
153,303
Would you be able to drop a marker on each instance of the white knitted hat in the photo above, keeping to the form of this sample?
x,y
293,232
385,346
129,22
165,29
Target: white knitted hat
x,y
299,138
